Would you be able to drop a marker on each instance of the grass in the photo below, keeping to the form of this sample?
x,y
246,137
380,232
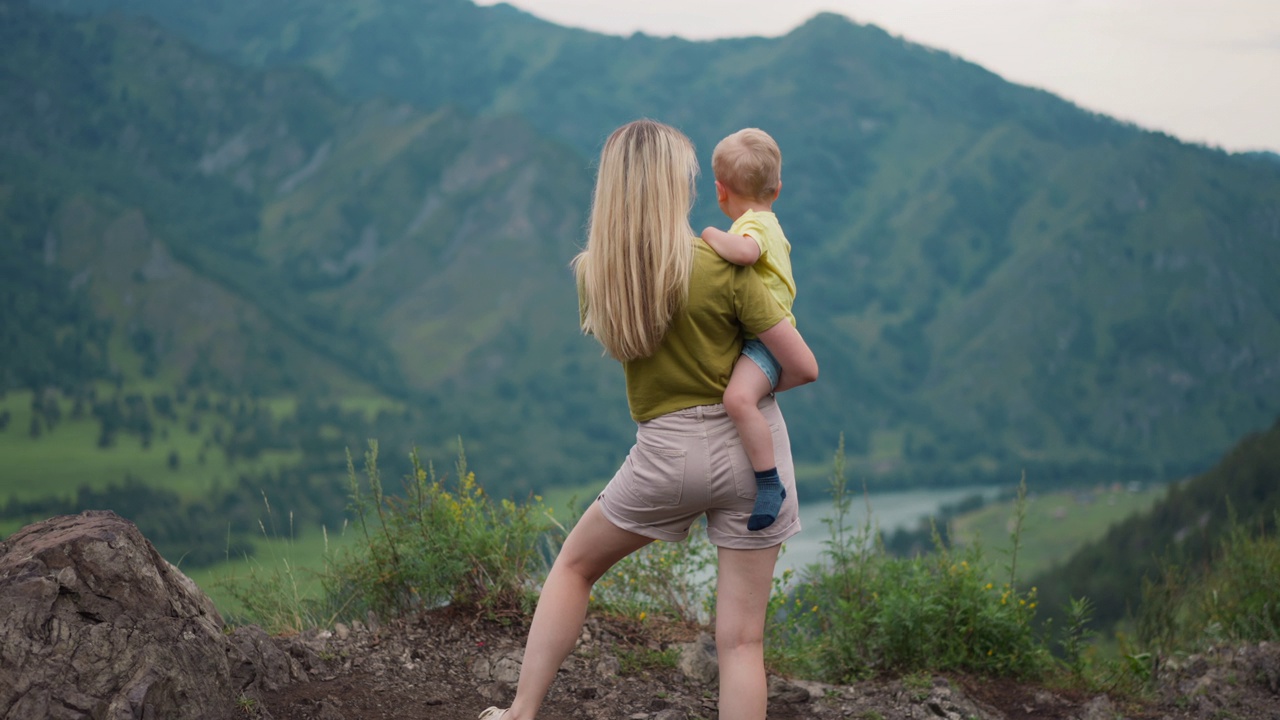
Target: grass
x,y
62,459
1056,524
573,498
302,561
639,660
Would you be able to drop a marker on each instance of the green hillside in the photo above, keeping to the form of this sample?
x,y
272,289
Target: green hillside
x,y
241,238
1184,528
254,233
993,278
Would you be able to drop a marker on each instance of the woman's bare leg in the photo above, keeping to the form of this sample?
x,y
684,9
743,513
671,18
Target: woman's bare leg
x,y
743,584
593,546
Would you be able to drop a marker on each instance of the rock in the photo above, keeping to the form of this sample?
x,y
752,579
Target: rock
x,y
608,667
671,714
309,649
502,667
496,693
698,660
261,664
1099,708
784,691
96,623
328,710
506,669
1262,663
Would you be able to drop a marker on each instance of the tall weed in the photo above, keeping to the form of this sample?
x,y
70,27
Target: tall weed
x,y
277,595
442,543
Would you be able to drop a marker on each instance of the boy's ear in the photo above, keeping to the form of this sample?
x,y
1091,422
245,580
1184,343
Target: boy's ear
x,y
722,192
778,191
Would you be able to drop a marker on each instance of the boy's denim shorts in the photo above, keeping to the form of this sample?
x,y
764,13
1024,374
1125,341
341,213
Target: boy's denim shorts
x,y
690,463
760,355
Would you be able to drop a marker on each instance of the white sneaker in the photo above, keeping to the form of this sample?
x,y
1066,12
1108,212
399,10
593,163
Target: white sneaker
x,y
493,713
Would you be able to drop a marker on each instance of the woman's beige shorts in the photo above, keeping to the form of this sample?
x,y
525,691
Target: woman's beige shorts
x,y
690,463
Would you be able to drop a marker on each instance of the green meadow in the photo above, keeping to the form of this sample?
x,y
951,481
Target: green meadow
x,y
293,565
1055,525
182,455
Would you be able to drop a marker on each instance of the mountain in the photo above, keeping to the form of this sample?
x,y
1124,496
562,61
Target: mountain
x,y
993,279
254,232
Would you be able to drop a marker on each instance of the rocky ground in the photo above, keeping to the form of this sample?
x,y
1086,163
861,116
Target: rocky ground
x,y
449,666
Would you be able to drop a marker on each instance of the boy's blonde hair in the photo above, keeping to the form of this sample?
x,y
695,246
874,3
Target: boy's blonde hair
x,y
634,274
749,163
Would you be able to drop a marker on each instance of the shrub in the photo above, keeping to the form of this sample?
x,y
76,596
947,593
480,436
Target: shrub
x,y
1237,599
668,579
442,543
863,612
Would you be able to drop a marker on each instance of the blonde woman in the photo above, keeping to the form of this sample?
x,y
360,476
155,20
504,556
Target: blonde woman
x,y
667,307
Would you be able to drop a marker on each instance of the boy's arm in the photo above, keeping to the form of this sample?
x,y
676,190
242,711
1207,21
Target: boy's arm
x,y
737,249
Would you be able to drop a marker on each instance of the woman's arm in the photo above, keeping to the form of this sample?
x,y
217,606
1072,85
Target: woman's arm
x,y
799,366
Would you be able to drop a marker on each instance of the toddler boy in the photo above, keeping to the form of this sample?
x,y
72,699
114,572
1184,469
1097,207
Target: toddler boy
x,y
748,170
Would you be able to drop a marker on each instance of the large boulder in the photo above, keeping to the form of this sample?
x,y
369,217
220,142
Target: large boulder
x,y
94,623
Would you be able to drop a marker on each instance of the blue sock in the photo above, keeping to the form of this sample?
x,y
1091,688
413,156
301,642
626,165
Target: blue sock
x,y
769,497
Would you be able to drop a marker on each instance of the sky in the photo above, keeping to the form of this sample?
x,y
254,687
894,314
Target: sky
x,y
1205,71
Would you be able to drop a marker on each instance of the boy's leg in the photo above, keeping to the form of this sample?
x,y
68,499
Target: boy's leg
x,y
747,387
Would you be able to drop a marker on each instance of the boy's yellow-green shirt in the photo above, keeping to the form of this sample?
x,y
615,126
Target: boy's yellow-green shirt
x,y
696,358
774,264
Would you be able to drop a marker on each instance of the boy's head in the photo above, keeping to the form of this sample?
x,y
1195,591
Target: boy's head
x,y
748,163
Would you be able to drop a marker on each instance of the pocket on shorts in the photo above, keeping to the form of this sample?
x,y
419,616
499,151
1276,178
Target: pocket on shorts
x,y
744,477
657,475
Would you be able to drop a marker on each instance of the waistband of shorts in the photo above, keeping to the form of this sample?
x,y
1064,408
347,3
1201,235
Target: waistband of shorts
x,y
700,411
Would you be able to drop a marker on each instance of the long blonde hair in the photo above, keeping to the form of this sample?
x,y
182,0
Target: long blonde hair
x,y
634,273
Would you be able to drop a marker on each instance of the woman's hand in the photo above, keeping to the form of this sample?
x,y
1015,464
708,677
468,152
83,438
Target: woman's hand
x,y
799,366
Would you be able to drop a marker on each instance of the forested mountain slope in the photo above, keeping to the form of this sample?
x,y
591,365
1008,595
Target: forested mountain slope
x,y
1185,530
993,279
172,218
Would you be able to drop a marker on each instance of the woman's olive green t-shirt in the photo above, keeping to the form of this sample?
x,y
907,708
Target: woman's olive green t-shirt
x,y
693,364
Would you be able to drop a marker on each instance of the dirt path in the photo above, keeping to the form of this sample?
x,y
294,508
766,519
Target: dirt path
x,y
447,666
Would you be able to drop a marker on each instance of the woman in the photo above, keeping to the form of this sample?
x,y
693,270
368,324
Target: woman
x,y
672,312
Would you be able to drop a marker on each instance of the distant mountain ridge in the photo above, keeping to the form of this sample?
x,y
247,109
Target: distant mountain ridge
x,y
992,278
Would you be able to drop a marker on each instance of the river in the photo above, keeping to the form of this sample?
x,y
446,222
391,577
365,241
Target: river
x,y
889,511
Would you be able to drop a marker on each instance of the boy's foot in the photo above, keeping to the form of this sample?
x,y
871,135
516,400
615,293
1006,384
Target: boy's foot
x,y
769,497
493,713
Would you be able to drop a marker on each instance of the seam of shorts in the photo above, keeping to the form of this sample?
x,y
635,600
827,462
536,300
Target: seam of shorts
x,y
765,541
648,531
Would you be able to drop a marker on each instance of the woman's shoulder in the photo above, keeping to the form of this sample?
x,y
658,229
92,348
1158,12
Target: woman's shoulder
x,y
711,269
